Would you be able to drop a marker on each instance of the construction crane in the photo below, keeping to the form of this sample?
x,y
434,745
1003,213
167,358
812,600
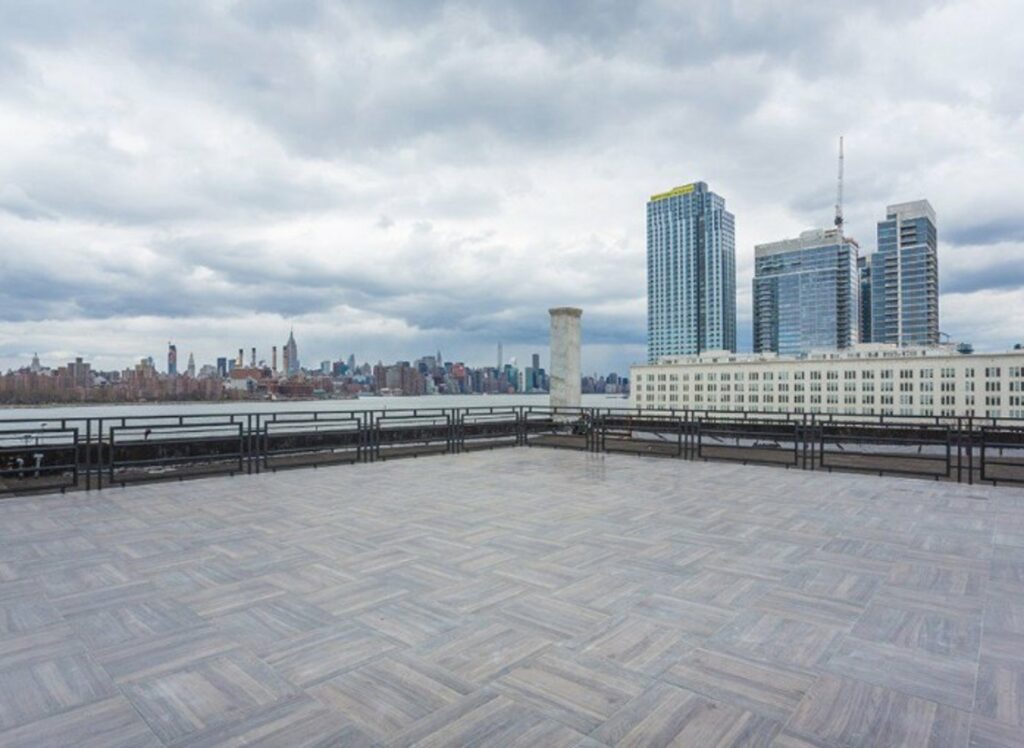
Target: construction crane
x,y
839,191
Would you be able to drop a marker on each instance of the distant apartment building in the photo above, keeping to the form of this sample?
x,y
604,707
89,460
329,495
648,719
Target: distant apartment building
x,y
864,380
806,293
172,359
691,272
905,277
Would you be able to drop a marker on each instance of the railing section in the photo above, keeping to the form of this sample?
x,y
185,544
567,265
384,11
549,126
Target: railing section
x,y
87,453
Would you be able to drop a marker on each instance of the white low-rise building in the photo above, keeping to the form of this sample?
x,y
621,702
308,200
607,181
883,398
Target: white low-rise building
x,y
870,379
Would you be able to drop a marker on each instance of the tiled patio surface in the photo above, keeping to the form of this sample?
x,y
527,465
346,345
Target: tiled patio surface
x,y
525,597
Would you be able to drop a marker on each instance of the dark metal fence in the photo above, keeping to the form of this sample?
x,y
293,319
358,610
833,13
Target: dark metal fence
x,y
303,439
87,453
1001,453
39,457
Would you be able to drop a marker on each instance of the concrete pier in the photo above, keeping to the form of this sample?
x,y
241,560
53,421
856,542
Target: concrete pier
x,y
565,357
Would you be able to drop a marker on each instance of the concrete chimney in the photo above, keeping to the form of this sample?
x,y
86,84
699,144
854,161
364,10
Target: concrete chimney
x,y
565,357
273,359
253,364
241,357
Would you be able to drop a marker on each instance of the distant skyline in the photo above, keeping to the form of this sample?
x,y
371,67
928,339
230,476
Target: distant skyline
x,y
265,356
392,178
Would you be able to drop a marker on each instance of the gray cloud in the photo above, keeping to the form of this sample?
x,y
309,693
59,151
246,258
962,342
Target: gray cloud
x,y
442,172
1008,228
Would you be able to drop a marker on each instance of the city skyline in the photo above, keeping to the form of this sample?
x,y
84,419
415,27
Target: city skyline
x,y
253,356
255,378
201,175
264,356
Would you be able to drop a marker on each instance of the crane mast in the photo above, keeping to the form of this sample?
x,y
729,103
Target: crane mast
x,y
839,191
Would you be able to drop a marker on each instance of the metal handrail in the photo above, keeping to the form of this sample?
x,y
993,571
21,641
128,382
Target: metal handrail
x,y
973,445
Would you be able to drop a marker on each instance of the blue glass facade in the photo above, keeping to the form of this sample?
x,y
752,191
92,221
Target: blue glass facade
x,y
806,294
864,273
905,277
691,273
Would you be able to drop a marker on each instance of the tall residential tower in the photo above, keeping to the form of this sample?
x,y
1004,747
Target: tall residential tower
x,y
905,277
691,272
806,293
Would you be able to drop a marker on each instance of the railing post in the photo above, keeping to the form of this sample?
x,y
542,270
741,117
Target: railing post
x,y
262,441
247,443
99,455
970,451
360,433
88,459
959,450
982,456
376,437
949,453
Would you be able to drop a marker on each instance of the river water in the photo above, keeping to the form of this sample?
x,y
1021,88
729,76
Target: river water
x,y
104,410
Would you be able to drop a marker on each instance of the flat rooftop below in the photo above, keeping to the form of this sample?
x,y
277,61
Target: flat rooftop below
x,y
524,596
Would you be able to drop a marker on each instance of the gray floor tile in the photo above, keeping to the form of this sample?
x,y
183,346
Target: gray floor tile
x,y
516,597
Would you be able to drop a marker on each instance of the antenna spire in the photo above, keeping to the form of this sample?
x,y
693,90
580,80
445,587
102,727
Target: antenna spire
x,y
839,191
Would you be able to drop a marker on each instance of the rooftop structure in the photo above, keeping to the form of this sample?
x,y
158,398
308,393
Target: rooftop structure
x,y
565,356
628,601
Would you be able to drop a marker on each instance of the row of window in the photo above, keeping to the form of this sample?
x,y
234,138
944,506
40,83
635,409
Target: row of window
x,y
995,372
886,406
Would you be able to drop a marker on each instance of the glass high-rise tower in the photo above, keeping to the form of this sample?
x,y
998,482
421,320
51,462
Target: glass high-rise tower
x,y
691,273
806,293
905,277
864,273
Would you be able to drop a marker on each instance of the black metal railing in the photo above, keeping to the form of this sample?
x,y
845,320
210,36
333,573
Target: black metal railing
x,y
91,453
303,439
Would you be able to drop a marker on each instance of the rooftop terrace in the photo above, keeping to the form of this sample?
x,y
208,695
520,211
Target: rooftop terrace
x,y
521,596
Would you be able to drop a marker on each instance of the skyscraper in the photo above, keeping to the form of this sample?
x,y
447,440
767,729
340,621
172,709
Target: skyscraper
x,y
864,276
172,359
691,272
806,293
905,277
291,355
191,369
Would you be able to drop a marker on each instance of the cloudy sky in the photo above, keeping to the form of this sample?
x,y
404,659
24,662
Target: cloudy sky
x,y
391,178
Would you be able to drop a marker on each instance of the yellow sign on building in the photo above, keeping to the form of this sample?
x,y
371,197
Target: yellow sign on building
x,y
685,189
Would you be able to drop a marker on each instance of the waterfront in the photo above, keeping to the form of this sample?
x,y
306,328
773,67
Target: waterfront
x,y
117,410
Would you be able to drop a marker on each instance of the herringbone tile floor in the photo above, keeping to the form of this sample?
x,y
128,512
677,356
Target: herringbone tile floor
x,y
517,597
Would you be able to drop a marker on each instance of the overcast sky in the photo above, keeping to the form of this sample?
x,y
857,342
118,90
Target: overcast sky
x,y
391,178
